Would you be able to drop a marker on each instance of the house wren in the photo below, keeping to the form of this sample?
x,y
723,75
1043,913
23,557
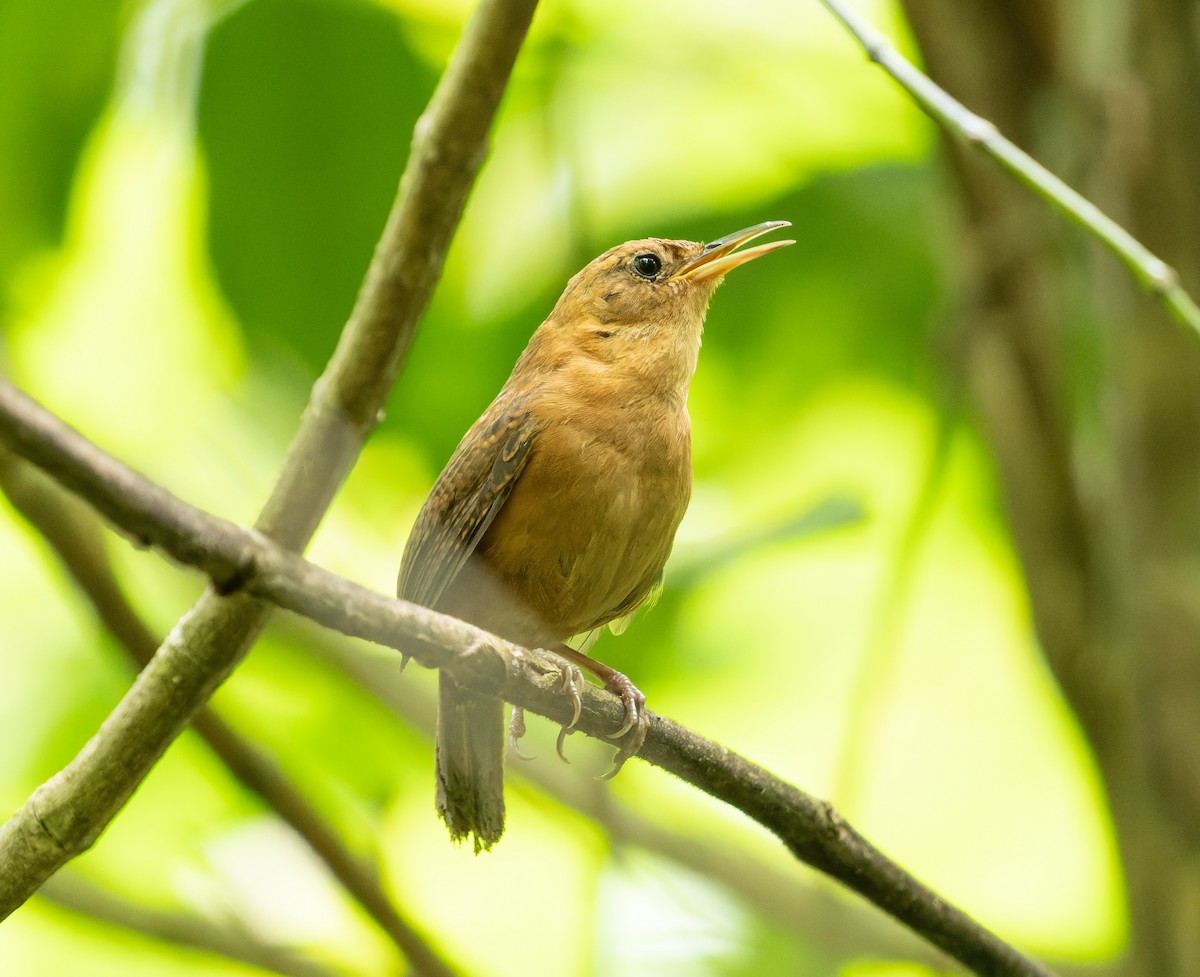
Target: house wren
x,y
557,511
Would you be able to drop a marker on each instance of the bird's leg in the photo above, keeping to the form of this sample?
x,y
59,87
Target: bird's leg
x,y
637,719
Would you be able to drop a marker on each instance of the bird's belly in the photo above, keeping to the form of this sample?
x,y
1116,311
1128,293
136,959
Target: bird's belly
x,y
578,544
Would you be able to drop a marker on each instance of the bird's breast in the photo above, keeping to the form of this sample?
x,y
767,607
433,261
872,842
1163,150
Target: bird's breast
x,y
589,525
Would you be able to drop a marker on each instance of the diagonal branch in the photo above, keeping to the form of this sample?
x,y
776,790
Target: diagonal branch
x,y
450,141
76,895
841,931
1150,271
66,815
836,930
73,532
246,560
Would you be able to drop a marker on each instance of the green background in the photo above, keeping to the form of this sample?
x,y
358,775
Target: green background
x,y
189,194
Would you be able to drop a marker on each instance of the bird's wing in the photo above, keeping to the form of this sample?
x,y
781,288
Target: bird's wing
x,y
471,490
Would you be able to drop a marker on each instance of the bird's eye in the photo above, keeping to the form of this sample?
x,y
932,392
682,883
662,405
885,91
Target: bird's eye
x,y
647,265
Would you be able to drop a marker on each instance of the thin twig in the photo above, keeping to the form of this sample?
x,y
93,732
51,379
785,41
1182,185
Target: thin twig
x,y
75,895
66,814
1150,271
74,534
244,559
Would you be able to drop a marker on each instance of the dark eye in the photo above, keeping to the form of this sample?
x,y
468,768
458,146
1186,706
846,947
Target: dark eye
x,y
647,265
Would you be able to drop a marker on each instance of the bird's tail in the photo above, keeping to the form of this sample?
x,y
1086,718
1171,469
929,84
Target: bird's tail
x,y
470,764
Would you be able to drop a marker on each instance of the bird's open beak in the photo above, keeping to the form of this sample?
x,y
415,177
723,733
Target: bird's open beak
x,y
721,256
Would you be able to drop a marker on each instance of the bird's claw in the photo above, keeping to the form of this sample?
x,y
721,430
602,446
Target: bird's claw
x,y
635,706
637,720
573,681
632,731
516,730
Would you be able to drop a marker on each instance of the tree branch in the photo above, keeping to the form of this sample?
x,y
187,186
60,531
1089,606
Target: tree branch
x,y
245,559
449,144
838,930
1150,271
65,816
73,532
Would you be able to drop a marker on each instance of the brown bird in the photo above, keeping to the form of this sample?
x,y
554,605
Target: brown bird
x,y
558,509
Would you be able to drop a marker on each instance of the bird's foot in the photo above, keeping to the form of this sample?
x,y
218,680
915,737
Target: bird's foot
x,y
516,731
573,681
637,719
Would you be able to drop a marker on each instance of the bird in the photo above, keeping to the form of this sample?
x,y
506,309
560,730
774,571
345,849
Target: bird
x,y
558,509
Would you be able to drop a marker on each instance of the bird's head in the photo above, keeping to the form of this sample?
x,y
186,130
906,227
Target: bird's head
x,y
644,283
641,305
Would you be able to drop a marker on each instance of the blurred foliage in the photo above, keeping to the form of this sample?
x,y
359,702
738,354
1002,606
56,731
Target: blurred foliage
x,y
190,192
45,114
